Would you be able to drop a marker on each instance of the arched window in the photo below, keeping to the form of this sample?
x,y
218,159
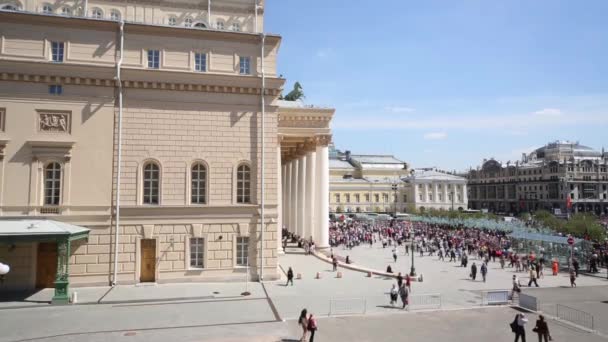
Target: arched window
x,y
66,11
199,184
243,184
219,25
97,13
188,22
115,15
52,184
47,9
151,180
172,21
200,25
11,8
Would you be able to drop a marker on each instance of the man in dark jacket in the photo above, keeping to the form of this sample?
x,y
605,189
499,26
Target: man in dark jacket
x,y
289,277
473,271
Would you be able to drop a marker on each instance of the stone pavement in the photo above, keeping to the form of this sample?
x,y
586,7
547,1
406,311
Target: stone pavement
x,y
138,294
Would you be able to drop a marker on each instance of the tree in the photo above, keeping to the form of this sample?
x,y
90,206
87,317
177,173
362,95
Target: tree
x,y
296,94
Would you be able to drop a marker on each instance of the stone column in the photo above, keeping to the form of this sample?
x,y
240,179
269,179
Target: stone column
x,y
322,195
465,196
287,197
309,204
293,203
301,196
280,177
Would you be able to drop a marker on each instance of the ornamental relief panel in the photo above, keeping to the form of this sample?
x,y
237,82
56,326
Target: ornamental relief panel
x,y
54,122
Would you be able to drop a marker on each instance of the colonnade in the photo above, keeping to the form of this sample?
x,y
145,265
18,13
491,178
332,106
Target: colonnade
x,y
304,193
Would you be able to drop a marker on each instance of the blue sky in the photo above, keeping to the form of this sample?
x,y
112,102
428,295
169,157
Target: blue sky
x,y
448,83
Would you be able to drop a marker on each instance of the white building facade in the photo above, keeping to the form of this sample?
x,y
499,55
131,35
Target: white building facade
x,y
428,189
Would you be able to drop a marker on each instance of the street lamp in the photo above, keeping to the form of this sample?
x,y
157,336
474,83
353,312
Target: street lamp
x,y
413,269
4,269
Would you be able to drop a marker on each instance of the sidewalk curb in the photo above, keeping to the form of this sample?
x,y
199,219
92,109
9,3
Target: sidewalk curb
x,y
356,268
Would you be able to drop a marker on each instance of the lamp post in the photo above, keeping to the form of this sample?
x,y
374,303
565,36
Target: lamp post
x,y
413,269
4,269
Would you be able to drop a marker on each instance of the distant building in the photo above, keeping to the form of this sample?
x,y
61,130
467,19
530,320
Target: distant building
x,y
559,176
432,189
366,183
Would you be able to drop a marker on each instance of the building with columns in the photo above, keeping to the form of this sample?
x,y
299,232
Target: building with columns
x,y
561,177
305,135
430,188
366,183
156,128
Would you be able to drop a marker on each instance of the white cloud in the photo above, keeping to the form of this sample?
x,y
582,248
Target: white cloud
x,y
435,136
548,112
399,109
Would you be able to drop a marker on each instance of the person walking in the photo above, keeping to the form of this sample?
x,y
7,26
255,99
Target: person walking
x,y
473,272
303,322
403,293
289,277
576,266
408,283
393,293
518,326
399,280
484,271
312,327
395,254
572,279
334,262
542,329
532,274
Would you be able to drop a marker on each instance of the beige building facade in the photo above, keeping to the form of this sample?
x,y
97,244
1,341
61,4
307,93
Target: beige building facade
x,y
366,183
159,130
429,188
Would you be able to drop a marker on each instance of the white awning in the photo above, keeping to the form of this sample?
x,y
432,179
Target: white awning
x,y
39,228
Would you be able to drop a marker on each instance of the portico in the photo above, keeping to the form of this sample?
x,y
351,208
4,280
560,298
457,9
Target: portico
x,y
304,137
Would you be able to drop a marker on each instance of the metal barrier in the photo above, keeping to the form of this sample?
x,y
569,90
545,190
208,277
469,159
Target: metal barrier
x,y
496,297
529,302
347,306
424,301
575,316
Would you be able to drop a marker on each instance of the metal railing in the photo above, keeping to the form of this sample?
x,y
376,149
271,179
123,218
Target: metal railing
x,y
495,297
424,301
529,302
575,316
347,306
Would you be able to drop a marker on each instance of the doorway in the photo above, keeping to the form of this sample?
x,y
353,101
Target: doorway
x,y
46,265
148,261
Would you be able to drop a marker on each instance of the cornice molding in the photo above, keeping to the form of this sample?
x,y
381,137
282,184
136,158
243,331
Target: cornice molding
x,y
135,84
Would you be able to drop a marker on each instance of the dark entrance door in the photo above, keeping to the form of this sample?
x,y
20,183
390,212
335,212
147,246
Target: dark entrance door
x,y
46,265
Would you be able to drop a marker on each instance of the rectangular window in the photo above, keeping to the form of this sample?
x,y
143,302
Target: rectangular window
x,y
366,197
153,59
242,251
420,198
430,197
337,198
404,198
200,62
197,252
384,198
55,89
357,198
245,65
376,198
347,197
57,51
459,198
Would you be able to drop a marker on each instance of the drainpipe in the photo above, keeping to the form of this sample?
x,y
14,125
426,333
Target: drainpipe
x,y
209,13
263,160
119,168
255,9
86,8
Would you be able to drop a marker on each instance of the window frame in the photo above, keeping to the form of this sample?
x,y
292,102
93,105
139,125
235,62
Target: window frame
x,y
200,253
238,249
243,195
188,22
219,23
153,63
197,64
99,11
57,51
144,195
115,15
66,11
49,6
235,26
57,183
55,89
172,21
204,182
245,65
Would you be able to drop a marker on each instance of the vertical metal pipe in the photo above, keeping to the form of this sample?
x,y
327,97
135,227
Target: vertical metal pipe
x,y
86,8
118,168
263,159
209,13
